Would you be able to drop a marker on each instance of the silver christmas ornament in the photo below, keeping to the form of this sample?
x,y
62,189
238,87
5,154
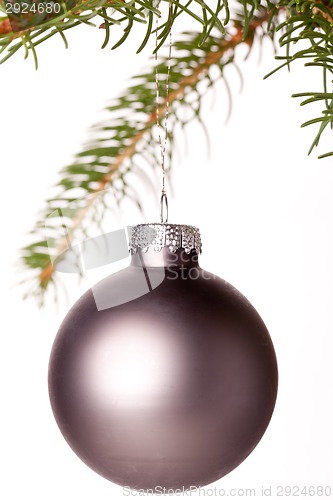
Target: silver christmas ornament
x,y
174,384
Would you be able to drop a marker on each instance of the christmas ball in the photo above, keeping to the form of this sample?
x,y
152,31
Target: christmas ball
x,y
170,387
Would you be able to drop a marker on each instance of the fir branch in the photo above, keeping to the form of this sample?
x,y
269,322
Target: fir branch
x,y
107,161
309,24
15,33
129,132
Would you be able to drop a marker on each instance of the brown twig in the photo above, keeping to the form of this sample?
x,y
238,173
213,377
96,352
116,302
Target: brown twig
x,y
5,27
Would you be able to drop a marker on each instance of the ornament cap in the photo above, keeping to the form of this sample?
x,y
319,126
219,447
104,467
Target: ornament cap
x,y
156,236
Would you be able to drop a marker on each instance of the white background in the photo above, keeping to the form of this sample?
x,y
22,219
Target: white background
x,y
268,205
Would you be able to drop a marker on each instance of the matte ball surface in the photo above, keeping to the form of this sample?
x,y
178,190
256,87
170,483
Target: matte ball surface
x,y
172,389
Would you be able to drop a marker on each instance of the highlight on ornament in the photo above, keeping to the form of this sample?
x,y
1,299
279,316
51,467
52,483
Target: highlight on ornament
x,y
156,379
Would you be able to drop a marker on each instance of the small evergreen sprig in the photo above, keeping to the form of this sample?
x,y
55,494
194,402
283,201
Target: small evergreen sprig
x,y
310,25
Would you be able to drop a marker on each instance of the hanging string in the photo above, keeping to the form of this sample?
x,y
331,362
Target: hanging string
x,y
163,144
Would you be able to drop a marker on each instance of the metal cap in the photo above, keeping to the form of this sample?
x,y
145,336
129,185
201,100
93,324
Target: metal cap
x,y
164,235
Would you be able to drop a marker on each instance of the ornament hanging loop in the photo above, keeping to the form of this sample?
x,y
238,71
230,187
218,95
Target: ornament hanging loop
x,y
163,143
164,208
